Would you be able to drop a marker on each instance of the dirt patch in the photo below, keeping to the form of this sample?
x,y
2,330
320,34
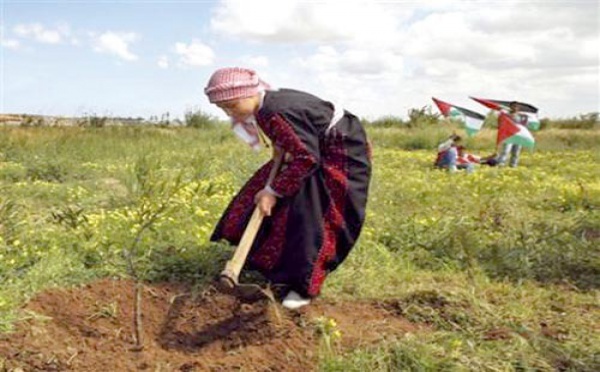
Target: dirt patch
x,y
90,329
591,234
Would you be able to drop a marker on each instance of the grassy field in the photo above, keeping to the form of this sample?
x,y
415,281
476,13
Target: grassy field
x,y
502,264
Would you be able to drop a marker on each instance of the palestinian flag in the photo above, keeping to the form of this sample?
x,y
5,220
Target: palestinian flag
x,y
511,132
532,121
472,121
527,111
495,104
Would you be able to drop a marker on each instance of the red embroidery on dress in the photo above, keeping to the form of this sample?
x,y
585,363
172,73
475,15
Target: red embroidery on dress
x,y
289,179
270,251
326,254
335,165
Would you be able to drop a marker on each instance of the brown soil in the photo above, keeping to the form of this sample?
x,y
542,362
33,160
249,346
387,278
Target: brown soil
x,y
91,329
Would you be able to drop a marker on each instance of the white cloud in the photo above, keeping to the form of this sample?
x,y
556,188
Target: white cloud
x,y
194,54
163,62
378,57
41,33
449,37
9,43
351,61
460,36
255,61
386,57
116,43
365,81
517,16
306,21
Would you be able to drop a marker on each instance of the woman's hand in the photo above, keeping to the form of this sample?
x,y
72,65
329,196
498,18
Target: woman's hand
x,y
265,201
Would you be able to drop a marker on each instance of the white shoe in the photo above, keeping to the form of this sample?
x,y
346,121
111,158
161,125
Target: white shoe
x,y
294,301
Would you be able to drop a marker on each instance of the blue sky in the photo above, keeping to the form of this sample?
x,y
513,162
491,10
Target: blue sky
x,y
378,58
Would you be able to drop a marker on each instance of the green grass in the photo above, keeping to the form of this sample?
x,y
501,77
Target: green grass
x,y
514,251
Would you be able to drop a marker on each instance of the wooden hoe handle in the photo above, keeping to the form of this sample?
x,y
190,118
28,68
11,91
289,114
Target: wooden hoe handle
x,y
234,266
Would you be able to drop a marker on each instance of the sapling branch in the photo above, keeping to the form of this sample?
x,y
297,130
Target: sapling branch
x,y
147,217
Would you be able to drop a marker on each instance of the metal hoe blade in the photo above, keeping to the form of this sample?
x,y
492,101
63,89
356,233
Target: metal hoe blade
x,y
249,292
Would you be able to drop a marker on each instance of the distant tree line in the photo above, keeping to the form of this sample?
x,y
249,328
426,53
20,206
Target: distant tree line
x,y
417,118
424,116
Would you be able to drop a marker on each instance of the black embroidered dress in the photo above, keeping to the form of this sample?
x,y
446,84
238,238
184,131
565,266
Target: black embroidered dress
x,y
323,187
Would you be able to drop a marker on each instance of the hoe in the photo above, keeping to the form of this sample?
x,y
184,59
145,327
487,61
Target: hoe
x,y
228,281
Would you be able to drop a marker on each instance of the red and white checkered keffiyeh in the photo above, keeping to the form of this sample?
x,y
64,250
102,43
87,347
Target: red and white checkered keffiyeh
x,y
233,83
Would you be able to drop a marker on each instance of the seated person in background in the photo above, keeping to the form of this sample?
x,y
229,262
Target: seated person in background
x,y
448,156
465,157
465,160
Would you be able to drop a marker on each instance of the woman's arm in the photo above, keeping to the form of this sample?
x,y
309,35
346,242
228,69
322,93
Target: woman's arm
x,y
301,144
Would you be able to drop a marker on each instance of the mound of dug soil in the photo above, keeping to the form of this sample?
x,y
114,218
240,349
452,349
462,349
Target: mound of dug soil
x,y
91,329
